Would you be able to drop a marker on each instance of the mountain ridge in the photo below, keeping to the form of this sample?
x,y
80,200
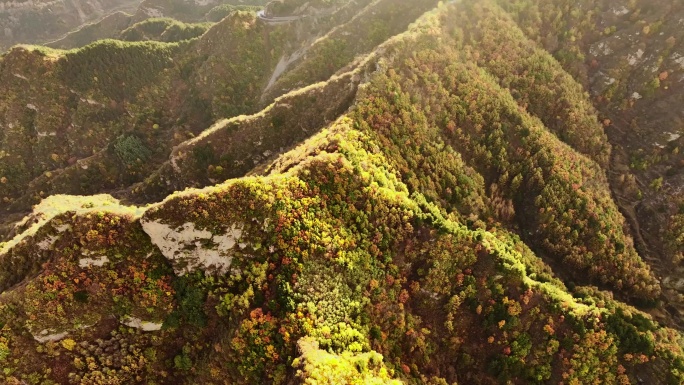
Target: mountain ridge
x,y
446,219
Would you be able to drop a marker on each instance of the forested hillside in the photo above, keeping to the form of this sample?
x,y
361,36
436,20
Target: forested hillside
x,y
346,192
630,58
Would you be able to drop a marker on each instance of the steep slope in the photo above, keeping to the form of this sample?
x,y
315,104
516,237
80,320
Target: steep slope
x,y
338,48
428,205
164,29
78,102
231,148
630,58
341,214
334,249
127,122
566,203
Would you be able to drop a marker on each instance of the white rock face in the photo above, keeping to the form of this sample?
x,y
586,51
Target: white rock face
x,y
46,243
63,228
679,60
44,336
601,48
189,248
88,262
142,325
673,136
282,65
674,283
633,59
620,11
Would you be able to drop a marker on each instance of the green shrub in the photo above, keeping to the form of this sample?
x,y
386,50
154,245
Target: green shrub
x,y
131,150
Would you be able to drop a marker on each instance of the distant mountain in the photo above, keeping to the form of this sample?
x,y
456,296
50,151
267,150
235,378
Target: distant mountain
x,y
346,192
40,21
75,23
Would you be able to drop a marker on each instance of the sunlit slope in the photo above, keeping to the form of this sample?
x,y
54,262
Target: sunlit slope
x,y
333,253
104,117
434,208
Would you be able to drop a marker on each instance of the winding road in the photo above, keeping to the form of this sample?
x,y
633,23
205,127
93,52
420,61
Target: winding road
x,y
276,19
